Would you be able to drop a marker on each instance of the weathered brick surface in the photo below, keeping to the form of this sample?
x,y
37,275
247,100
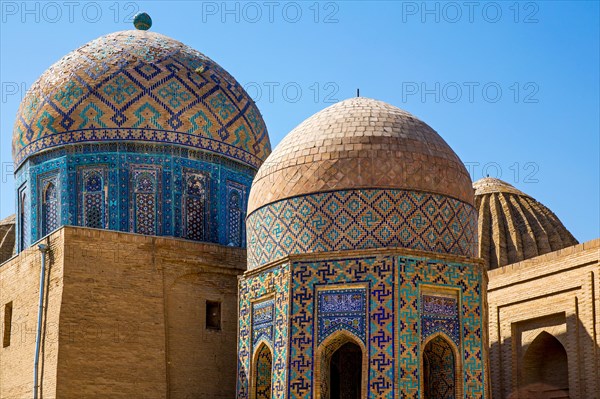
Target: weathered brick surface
x,y
19,283
132,320
557,293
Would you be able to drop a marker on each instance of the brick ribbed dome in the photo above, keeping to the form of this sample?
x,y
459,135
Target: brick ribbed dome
x,y
513,226
140,86
360,143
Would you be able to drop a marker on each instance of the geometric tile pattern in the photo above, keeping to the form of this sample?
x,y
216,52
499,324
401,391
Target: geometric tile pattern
x,y
50,206
440,314
262,321
274,283
439,370
467,280
400,293
342,309
110,199
361,219
92,212
141,87
378,273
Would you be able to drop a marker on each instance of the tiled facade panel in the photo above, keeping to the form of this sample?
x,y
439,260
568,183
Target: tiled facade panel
x,y
148,189
395,305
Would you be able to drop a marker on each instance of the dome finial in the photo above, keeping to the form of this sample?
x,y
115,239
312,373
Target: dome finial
x,y
142,21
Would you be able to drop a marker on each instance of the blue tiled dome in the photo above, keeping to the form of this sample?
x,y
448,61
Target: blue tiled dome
x,y
140,86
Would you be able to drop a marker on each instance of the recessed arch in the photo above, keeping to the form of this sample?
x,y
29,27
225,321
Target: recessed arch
x,y
441,367
346,345
545,366
50,208
262,372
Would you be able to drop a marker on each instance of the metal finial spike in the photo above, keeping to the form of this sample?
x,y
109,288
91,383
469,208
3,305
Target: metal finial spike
x,y
357,92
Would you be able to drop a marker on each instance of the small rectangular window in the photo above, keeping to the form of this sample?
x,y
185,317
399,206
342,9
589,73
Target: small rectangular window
x,y
213,315
7,324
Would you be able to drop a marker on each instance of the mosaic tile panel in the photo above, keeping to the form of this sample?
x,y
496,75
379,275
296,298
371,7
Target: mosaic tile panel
x,y
262,321
342,309
140,86
440,314
413,273
398,293
378,274
361,219
274,281
109,200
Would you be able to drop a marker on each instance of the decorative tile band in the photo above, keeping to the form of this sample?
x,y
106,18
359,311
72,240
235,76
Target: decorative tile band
x,y
149,189
361,219
440,314
262,321
342,309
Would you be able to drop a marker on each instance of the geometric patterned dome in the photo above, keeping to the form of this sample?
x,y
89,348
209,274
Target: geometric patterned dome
x,y
360,143
138,85
514,226
360,174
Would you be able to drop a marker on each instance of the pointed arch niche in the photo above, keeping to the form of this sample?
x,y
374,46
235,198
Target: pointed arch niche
x,y
262,372
441,368
341,367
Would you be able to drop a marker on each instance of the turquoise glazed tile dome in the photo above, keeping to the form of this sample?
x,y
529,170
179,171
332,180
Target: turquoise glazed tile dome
x,y
137,86
137,132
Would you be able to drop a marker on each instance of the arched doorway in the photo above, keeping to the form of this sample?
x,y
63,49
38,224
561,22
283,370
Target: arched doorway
x,y
439,370
345,372
545,367
263,366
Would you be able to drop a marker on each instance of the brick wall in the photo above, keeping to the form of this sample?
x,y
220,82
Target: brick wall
x,y
556,293
132,317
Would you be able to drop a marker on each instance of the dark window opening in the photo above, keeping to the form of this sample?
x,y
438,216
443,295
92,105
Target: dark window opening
x,y
7,324
346,372
213,315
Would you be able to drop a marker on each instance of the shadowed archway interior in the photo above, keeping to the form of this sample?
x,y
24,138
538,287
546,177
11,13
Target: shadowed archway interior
x,y
545,367
439,370
345,372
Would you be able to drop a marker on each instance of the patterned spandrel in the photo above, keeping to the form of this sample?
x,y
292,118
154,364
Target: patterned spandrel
x,y
440,314
263,314
140,87
342,309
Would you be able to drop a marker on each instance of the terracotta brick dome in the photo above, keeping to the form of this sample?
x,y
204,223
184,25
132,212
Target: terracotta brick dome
x,y
514,226
360,143
360,174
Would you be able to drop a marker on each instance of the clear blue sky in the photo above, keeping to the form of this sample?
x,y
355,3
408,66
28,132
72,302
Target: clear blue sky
x,y
512,87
